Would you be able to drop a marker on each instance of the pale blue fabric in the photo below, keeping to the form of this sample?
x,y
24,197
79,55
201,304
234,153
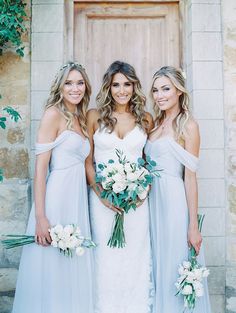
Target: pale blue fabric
x,y
49,282
169,224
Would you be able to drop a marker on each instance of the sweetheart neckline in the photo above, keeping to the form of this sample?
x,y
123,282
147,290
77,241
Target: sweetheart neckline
x,y
115,135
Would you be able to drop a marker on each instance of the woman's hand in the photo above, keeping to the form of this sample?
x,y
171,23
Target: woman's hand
x,y
42,235
194,238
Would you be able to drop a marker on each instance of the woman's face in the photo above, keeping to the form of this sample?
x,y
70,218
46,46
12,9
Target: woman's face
x,y
165,94
121,89
74,88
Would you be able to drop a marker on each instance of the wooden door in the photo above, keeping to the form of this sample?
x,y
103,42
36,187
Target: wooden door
x,y
143,34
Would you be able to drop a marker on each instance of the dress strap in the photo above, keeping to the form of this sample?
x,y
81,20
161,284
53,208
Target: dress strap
x,y
45,147
186,158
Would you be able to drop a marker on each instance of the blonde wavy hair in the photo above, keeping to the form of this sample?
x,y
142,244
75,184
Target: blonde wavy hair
x,y
56,96
177,79
106,104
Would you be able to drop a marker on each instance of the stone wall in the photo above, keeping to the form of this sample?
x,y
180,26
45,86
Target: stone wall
x,y
14,159
205,75
229,39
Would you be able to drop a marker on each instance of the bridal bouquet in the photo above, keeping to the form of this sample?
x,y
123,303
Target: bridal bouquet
x,y
125,184
189,283
67,239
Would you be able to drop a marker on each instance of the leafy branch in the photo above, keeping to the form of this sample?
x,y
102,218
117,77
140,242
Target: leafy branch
x,y
12,18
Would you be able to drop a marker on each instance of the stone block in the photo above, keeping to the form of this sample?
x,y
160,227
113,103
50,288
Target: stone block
x,y
47,18
231,140
15,163
217,303
216,280
206,17
38,101
6,303
231,251
211,164
231,163
15,75
212,134
10,257
208,104
8,277
43,74
14,201
214,222
232,198
47,47
206,1
211,193
231,304
206,46
15,135
207,75
231,278
214,248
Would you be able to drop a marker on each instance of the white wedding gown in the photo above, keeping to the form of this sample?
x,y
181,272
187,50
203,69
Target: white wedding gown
x,y
169,224
122,274
48,281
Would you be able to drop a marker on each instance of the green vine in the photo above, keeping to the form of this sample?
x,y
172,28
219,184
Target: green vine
x,y
12,18
13,115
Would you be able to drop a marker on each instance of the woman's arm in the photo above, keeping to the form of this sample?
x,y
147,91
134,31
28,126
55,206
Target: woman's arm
x,y
92,126
192,145
48,131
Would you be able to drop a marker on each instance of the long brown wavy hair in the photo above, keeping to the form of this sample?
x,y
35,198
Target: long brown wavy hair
x,y
56,96
106,103
176,77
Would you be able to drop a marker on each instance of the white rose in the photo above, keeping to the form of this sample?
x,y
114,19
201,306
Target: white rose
x,y
205,272
118,187
132,176
132,186
118,177
54,244
69,229
58,228
198,273
190,278
72,243
79,251
199,292
62,245
186,264
187,290
128,168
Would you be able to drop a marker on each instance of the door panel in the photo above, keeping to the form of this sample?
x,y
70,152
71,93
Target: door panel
x,y
145,35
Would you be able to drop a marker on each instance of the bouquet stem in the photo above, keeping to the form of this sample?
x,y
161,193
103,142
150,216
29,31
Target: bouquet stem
x,y
117,239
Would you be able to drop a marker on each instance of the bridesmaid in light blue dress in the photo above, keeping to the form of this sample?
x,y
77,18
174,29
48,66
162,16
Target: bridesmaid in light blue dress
x,y
48,281
174,145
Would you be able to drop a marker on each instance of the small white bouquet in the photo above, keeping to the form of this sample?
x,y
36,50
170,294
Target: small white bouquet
x,y
67,239
125,184
189,284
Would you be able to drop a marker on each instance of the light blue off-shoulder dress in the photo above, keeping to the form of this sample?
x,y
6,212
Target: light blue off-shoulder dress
x,y
48,281
169,224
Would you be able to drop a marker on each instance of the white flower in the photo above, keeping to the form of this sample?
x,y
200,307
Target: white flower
x,y
205,272
57,229
197,272
132,186
187,290
62,245
79,251
118,187
119,177
69,229
199,292
54,244
72,243
143,195
186,264
133,176
190,278
128,168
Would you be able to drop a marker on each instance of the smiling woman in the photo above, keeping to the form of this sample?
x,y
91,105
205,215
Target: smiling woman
x,y
47,281
122,275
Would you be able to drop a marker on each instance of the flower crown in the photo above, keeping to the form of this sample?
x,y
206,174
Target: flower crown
x,y
71,64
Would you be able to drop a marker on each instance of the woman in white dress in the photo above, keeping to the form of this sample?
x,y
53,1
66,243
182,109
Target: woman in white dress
x,y
122,274
48,281
174,145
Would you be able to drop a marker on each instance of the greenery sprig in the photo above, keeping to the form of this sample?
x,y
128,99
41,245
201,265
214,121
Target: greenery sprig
x,y
12,18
